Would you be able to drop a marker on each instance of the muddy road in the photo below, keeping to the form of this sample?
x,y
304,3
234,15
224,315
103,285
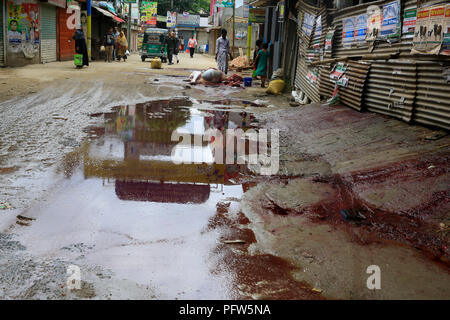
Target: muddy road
x,y
85,163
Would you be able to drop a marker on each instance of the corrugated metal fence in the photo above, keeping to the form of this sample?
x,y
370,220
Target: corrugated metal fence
x,y
408,87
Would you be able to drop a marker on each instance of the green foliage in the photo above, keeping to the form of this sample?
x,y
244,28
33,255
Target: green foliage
x,y
191,6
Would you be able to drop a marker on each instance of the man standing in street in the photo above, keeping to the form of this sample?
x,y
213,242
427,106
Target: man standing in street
x,y
171,46
109,44
222,52
116,35
191,45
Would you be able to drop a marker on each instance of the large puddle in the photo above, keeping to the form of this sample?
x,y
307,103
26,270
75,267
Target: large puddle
x,y
133,211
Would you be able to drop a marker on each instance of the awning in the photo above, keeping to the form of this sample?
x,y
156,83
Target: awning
x,y
109,14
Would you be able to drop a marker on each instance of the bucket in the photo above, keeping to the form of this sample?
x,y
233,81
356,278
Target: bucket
x,y
248,82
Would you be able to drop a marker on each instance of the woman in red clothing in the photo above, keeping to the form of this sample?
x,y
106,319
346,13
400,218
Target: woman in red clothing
x,y
191,45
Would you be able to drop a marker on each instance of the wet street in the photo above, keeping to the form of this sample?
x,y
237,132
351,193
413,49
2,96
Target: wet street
x,y
96,180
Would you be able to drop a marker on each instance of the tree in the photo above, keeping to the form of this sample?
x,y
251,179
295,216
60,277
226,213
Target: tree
x,y
191,6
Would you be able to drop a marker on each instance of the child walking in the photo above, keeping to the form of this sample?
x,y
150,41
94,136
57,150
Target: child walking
x,y
261,62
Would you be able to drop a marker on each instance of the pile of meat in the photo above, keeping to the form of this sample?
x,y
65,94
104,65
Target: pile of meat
x,y
240,62
234,80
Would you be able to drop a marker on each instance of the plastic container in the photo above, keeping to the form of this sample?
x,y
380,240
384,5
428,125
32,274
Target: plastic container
x,y
247,81
155,63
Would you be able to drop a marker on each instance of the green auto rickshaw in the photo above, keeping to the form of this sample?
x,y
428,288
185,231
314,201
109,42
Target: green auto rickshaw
x,y
154,44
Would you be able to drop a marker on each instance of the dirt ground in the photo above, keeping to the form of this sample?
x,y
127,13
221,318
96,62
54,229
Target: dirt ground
x,y
353,190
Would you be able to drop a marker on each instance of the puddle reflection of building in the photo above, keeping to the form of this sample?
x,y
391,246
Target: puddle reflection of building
x,y
144,171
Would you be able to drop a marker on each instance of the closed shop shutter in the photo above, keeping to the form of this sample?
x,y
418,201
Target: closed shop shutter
x,y
66,44
2,49
48,32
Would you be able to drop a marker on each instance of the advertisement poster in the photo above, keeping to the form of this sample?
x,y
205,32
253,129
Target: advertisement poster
x,y
329,40
23,28
429,30
374,18
308,24
446,41
171,19
420,31
348,33
409,22
224,3
361,28
390,26
149,13
312,76
435,29
337,72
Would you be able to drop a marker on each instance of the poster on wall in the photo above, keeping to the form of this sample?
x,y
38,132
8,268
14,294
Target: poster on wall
x,y
149,13
308,24
348,33
429,30
409,22
374,18
361,28
23,28
445,49
171,19
390,26
329,40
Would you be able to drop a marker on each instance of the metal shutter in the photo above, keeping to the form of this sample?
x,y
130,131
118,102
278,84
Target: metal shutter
x,y
2,49
48,32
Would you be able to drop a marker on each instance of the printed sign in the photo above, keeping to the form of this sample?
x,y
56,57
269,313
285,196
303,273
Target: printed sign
x,y
337,72
329,40
348,33
317,33
149,13
390,27
429,31
191,20
308,24
409,22
374,18
312,76
361,28
171,19
23,28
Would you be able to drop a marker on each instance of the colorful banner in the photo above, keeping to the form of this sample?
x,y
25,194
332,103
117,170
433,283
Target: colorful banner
x,y
149,13
329,40
23,28
390,27
409,22
317,33
171,19
224,3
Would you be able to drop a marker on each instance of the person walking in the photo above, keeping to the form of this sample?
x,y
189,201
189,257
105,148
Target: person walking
x,y
222,52
80,45
109,43
116,35
177,48
261,62
191,45
171,46
122,47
